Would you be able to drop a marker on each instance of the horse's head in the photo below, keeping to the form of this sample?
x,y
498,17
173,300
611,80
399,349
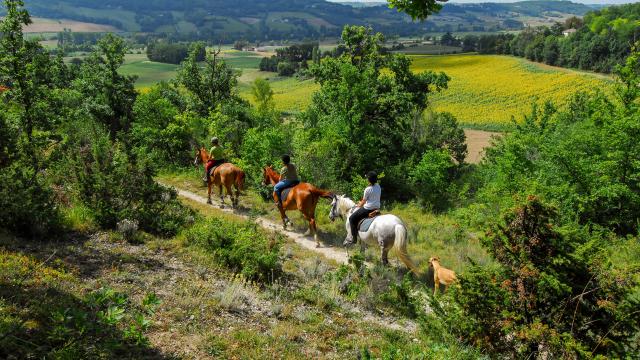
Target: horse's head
x,y
268,176
335,209
201,156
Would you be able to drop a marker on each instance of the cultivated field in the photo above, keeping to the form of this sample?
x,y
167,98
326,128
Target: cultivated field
x,y
42,25
486,91
148,72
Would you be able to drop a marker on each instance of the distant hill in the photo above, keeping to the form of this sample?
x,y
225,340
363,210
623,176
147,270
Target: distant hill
x,y
293,19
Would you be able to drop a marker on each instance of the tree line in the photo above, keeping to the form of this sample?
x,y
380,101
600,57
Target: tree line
x,y
598,43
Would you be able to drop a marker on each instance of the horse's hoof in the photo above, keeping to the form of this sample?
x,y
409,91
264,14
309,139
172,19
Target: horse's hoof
x,y
209,202
318,245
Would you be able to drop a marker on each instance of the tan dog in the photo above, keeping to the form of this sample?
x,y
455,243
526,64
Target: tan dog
x,y
441,275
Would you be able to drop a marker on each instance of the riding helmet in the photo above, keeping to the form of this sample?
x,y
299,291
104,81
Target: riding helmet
x,y
372,177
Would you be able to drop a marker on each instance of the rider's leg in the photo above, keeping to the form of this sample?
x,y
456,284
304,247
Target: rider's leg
x,y
280,187
354,219
207,167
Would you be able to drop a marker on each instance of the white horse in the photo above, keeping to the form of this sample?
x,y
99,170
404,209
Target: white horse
x,y
386,231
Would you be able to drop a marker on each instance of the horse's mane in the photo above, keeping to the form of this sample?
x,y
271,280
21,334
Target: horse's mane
x,y
346,203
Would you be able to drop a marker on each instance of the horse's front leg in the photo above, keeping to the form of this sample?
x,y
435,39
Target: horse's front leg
x,y
209,191
283,214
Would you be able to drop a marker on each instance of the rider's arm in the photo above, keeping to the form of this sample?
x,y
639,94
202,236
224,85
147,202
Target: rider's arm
x,y
362,202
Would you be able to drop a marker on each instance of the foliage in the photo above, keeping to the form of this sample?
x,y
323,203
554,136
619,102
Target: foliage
x,y
38,308
210,85
109,95
522,306
161,128
171,53
288,60
583,159
432,178
263,95
29,114
599,43
239,246
368,131
417,9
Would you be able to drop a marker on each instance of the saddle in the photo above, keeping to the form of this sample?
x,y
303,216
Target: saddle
x,y
285,192
364,224
213,168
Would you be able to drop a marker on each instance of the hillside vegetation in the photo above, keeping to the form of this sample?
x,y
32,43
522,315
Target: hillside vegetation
x,y
225,20
599,42
101,258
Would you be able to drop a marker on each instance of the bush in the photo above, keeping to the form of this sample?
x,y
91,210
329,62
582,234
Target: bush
x,y
239,246
521,307
27,204
116,185
286,68
432,178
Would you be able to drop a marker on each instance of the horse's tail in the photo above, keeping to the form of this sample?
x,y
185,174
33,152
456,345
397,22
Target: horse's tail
x,y
240,178
322,193
400,245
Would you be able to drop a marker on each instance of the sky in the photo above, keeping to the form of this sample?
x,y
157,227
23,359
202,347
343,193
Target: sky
x,y
508,1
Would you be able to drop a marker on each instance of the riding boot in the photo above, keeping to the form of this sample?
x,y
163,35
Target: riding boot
x,y
348,240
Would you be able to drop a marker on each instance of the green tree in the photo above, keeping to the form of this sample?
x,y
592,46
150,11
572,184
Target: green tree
x,y
263,95
29,113
417,9
362,117
109,96
210,85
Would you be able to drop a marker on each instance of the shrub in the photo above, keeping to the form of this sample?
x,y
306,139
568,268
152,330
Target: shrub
x,y
239,246
27,204
522,306
116,185
432,178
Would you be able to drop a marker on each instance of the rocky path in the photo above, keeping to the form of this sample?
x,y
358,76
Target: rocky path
x,y
337,254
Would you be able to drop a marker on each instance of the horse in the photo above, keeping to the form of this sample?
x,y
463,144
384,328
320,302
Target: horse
x,y
387,231
226,175
303,197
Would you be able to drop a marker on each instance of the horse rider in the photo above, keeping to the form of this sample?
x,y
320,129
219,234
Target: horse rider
x,y
216,158
369,203
288,177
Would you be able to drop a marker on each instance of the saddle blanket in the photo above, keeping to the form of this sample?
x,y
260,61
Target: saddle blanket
x,y
365,224
285,193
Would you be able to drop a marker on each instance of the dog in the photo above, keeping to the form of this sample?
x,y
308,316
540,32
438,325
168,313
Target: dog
x,y
441,275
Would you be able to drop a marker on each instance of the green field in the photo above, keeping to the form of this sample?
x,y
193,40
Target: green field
x,y
484,91
148,72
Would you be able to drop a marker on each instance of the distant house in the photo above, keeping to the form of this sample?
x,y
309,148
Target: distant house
x,y
568,32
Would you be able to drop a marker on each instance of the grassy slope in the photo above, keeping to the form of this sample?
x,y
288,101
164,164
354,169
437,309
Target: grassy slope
x,y
429,234
148,72
205,311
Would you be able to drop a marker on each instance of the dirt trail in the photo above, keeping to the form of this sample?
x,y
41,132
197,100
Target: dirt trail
x,y
338,255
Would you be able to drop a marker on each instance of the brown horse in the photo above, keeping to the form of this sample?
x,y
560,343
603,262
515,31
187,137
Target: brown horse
x,y
303,197
226,175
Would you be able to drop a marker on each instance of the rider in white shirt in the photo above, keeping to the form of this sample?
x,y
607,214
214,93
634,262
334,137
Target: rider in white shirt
x,y
370,202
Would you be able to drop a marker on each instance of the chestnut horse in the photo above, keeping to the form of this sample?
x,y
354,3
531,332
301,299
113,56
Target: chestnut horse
x,y
226,174
303,197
